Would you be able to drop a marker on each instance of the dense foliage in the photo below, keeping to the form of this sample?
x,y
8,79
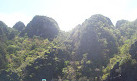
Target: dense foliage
x,y
96,50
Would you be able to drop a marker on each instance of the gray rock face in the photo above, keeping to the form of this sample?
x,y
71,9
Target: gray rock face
x,y
19,26
3,28
42,26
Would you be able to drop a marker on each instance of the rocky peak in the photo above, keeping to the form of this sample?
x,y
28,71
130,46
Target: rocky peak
x,y
42,26
19,26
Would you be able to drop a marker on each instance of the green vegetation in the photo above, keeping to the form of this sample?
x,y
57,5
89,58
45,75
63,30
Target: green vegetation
x,y
19,26
96,50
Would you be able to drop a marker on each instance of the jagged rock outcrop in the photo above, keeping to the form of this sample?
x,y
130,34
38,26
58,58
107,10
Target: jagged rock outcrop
x,y
120,23
3,28
19,26
94,36
3,31
42,26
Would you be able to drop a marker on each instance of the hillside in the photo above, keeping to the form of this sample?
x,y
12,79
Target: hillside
x,y
95,50
19,26
41,26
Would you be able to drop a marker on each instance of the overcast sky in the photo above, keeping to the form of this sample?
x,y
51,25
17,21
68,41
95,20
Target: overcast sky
x,y
67,13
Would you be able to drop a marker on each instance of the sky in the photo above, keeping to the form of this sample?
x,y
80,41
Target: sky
x,y
67,13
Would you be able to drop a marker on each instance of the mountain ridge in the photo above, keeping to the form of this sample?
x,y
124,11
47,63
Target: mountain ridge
x,y
95,50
